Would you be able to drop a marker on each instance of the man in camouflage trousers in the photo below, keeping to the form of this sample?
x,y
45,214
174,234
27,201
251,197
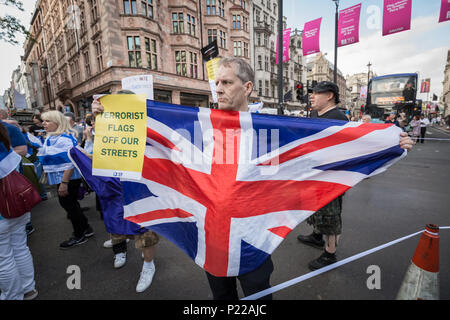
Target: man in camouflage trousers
x,y
327,221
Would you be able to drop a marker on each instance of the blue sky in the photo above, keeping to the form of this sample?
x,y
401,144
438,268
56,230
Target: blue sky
x,y
422,49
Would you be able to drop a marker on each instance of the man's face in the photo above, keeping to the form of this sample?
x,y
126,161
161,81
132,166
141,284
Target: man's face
x,y
232,93
366,119
320,100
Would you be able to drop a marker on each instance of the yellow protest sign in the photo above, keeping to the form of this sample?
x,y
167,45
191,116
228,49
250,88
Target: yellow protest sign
x,y
120,136
211,68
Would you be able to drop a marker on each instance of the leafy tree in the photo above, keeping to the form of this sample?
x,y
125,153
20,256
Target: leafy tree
x,y
10,26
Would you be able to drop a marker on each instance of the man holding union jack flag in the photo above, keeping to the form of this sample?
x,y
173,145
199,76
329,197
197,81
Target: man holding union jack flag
x,y
234,82
227,186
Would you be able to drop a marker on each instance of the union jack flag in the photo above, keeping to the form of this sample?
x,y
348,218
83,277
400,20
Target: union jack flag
x,y
227,187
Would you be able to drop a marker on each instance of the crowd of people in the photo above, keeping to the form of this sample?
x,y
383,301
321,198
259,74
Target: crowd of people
x,y
42,148
53,134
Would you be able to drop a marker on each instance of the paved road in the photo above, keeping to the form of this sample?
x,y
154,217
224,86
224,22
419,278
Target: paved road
x,y
401,201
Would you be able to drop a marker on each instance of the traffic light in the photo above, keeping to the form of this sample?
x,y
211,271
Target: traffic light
x,y
362,108
300,91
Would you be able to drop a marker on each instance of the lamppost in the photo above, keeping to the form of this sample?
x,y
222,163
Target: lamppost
x,y
45,68
336,2
280,57
368,74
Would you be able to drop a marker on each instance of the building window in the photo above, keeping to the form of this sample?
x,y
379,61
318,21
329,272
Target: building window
x,y
223,39
221,5
212,35
260,88
75,71
147,8
134,52
130,7
236,21
94,10
243,4
82,21
266,63
98,48
211,7
193,65
150,51
245,23
177,22
259,63
87,64
191,25
180,63
237,48
267,88
246,50
62,75
126,6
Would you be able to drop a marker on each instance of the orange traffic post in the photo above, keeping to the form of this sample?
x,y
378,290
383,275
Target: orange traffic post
x,y
421,281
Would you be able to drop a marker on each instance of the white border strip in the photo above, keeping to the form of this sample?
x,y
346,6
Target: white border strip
x,y
133,175
329,267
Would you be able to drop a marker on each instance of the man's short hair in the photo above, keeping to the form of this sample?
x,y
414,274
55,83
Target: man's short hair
x,y
328,86
243,71
125,91
70,114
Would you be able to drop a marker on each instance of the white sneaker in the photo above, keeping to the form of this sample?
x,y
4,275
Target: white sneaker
x,y
120,259
146,278
108,243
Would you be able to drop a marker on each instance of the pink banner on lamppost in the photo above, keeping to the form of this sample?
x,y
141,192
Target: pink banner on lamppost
x,y
286,42
310,37
396,16
348,27
445,11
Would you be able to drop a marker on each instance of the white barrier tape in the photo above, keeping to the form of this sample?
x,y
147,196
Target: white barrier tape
x,y
329,267
437,139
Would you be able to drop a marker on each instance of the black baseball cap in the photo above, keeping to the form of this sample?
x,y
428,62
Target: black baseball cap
x,y
327,86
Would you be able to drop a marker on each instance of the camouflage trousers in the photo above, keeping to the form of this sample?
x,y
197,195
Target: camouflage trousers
x,y
327,220
144,240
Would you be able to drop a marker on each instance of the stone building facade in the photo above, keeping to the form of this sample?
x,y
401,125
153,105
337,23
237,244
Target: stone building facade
x,y
265,28
320,69
85,47
445,97
354,84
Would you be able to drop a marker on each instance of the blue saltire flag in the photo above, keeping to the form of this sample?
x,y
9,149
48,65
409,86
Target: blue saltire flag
x,y
110,194
9,160
53,153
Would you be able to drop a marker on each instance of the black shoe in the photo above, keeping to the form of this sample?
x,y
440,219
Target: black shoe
x,y
324,260
29,229
89,232
72,242
314,240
